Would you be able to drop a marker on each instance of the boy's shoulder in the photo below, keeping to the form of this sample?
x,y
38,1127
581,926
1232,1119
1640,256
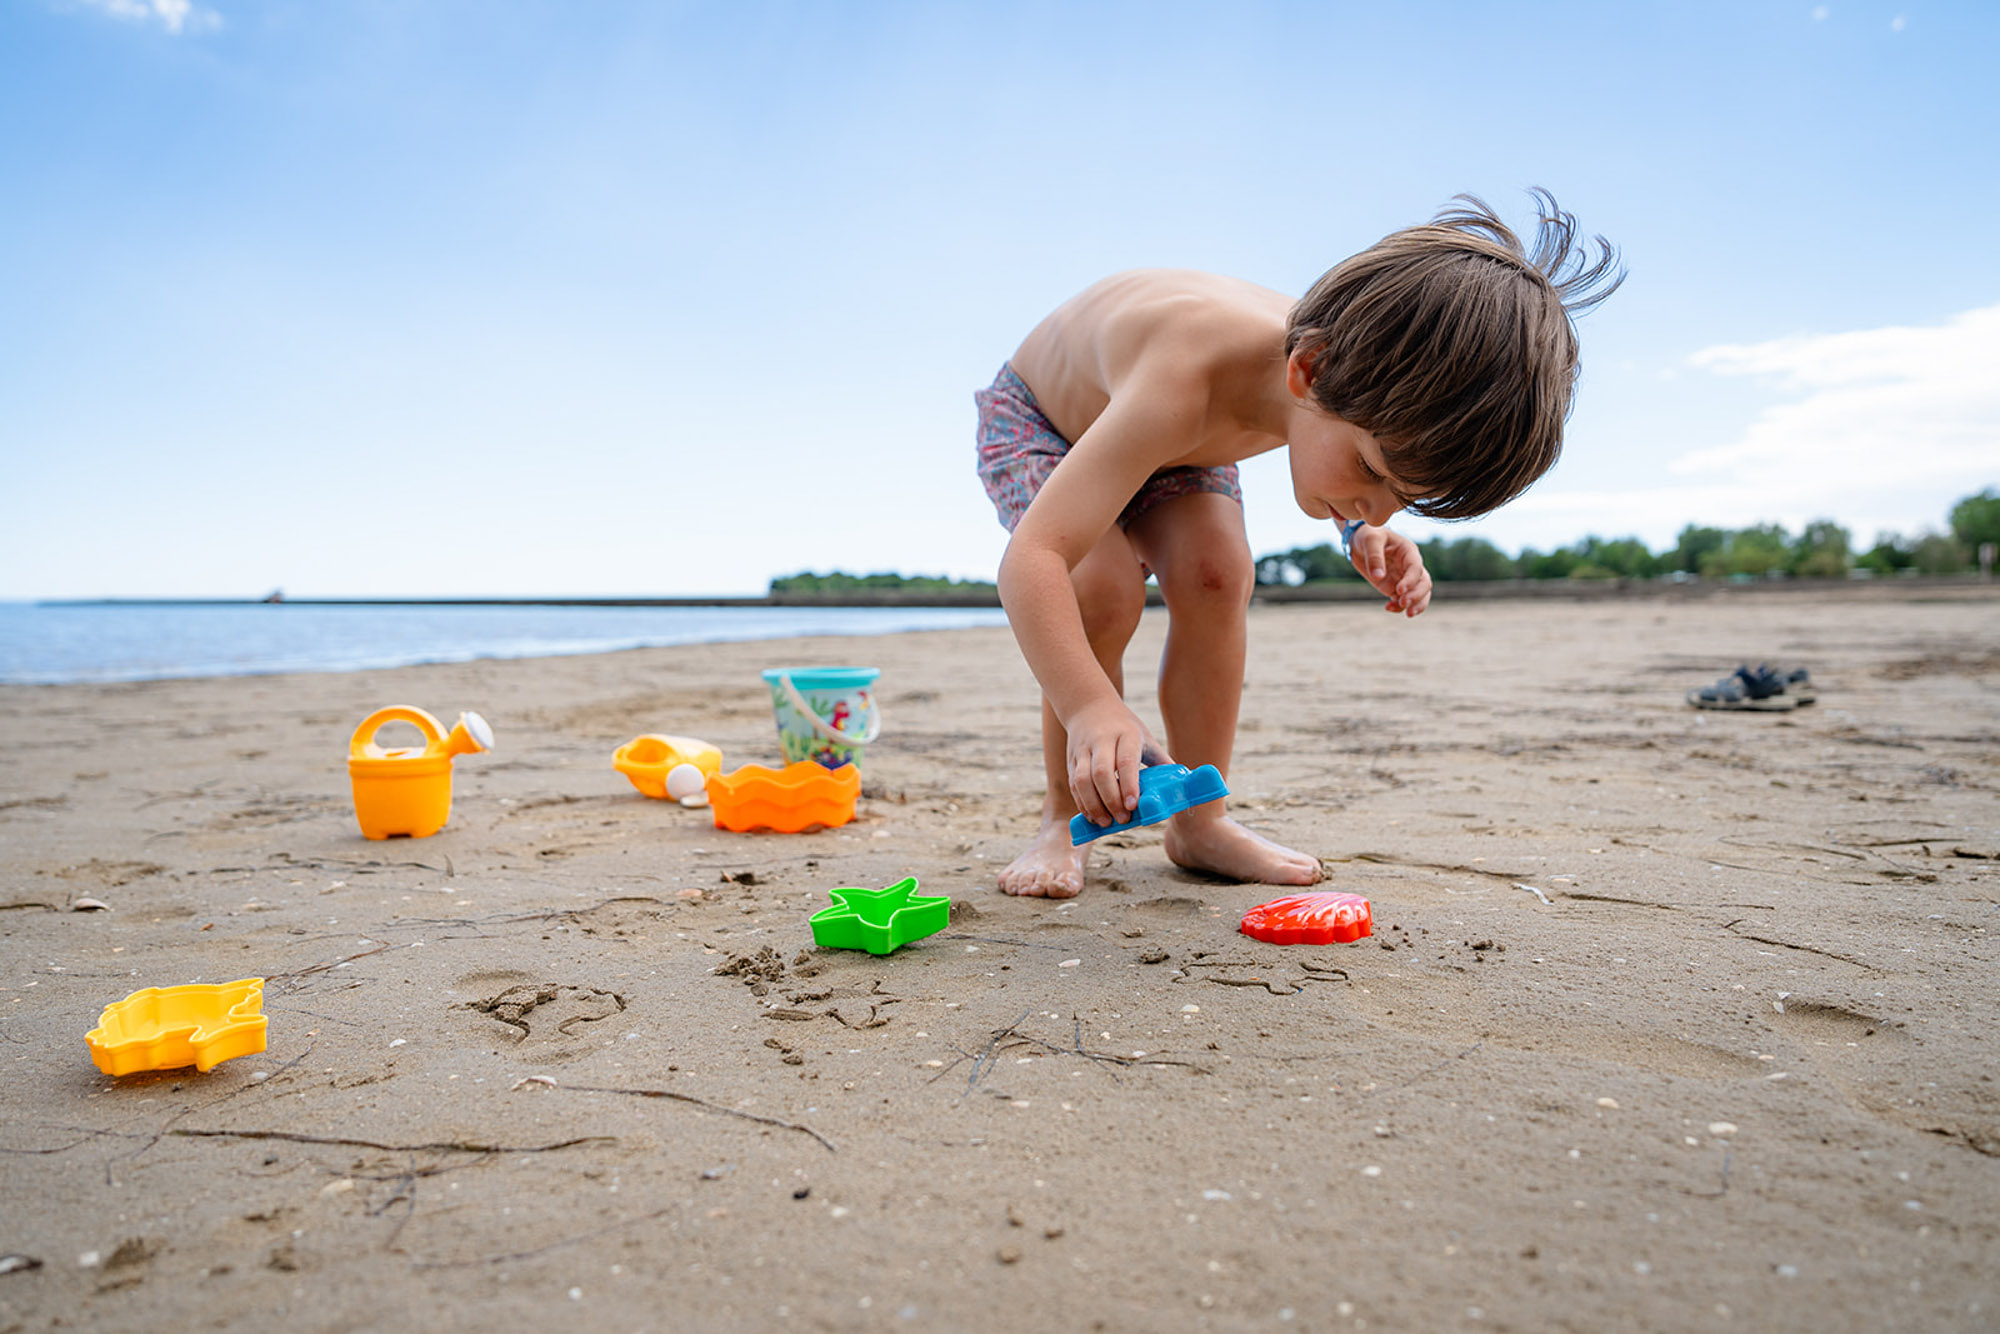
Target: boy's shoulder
x,y
1173,295
1185,316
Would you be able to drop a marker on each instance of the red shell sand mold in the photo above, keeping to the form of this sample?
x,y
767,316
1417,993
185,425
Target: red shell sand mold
x,y
1310,919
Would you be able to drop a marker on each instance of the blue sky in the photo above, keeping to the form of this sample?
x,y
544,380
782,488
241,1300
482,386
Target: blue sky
x,y
377,298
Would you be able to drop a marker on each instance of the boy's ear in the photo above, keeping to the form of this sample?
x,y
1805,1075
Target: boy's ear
x,y
1298,373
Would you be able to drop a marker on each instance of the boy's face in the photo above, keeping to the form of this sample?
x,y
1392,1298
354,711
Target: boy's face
x,y
1337,468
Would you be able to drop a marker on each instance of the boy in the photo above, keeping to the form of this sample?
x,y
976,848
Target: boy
x,y
1431,372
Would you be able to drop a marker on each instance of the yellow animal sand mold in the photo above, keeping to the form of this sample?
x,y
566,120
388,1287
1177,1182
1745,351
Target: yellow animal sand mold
x,y
797,797
167,1028
408,790
647,760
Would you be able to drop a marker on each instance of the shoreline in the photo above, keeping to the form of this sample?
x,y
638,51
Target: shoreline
x,y
1275,594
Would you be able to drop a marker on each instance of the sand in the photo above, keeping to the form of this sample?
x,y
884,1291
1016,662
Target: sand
x,y
1672,1020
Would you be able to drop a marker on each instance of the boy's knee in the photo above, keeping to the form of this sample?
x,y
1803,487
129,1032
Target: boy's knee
x,y
1110,606
1223,576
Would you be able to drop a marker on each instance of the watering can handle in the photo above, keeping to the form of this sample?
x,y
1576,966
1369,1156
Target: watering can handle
x,y
824,728
399,713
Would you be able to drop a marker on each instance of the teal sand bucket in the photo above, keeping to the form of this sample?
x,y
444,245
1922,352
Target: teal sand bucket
x,y
825,714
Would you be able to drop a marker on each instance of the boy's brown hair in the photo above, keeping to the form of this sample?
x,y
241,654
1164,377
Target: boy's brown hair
x,y
1452,345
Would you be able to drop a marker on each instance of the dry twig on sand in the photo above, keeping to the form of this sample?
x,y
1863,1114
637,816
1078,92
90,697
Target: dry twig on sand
x,y
704,1103
446,1146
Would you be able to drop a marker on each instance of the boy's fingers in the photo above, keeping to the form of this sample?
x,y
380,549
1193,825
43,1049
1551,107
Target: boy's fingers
x,y
1083,787
1128,781
1108,790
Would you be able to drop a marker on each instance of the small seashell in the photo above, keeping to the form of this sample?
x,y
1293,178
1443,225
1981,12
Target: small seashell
x,y
1070,963
544,1080
1721,1129
340,1187
1612,1103
89,905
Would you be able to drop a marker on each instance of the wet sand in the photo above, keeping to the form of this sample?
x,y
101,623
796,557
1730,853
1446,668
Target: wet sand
x,y
1672,1019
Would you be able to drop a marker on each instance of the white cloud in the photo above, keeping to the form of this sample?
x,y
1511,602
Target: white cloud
x,y
176,16
1877,429
1877,408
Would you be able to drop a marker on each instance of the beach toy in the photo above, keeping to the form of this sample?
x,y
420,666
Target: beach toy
x,y
648,759
825,714
880,921
408,790
788,800
1164,790
166,1028
687,785
1311,919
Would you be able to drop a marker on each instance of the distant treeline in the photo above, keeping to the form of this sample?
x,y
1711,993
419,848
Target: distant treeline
x,y
839,581
1823,550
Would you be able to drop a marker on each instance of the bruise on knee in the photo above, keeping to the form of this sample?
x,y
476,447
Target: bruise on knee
x,y
1209,576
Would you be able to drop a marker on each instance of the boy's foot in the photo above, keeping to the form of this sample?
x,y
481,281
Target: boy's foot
x,y
1051,868
1221,846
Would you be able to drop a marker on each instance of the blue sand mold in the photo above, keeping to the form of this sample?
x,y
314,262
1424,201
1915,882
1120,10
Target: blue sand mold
x,y
1164,790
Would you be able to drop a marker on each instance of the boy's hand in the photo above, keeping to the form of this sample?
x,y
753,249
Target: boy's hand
x,y
1107,746
1394,565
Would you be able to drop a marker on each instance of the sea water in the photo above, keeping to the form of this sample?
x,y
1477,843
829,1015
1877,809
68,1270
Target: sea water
x,y
43,644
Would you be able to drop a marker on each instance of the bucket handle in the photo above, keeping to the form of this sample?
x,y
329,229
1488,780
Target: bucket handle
x,y
821,725
364,735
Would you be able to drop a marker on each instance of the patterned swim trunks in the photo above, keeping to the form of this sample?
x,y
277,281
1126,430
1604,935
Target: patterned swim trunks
x,y
1019,448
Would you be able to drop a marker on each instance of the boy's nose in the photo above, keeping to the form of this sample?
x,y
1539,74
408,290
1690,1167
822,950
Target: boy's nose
x,y
1379,507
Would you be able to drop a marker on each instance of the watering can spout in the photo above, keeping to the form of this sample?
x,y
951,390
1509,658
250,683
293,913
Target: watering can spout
x,y
471,735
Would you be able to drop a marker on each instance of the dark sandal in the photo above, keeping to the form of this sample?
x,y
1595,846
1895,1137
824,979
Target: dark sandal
x,y
1761,691
1797,683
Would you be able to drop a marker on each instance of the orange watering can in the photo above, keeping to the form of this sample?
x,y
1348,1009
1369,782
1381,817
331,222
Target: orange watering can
x,y
408,790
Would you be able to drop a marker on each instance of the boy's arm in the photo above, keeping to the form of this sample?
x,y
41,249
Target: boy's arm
x,y
1151,419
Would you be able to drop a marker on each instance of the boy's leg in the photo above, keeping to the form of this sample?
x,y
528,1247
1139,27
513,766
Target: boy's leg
x,y
1195,544
1111,593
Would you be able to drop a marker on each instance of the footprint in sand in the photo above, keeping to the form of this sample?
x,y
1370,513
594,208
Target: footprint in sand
x,y
548,1019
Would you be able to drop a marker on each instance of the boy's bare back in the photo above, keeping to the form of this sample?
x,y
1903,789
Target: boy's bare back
x,y
1216,342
